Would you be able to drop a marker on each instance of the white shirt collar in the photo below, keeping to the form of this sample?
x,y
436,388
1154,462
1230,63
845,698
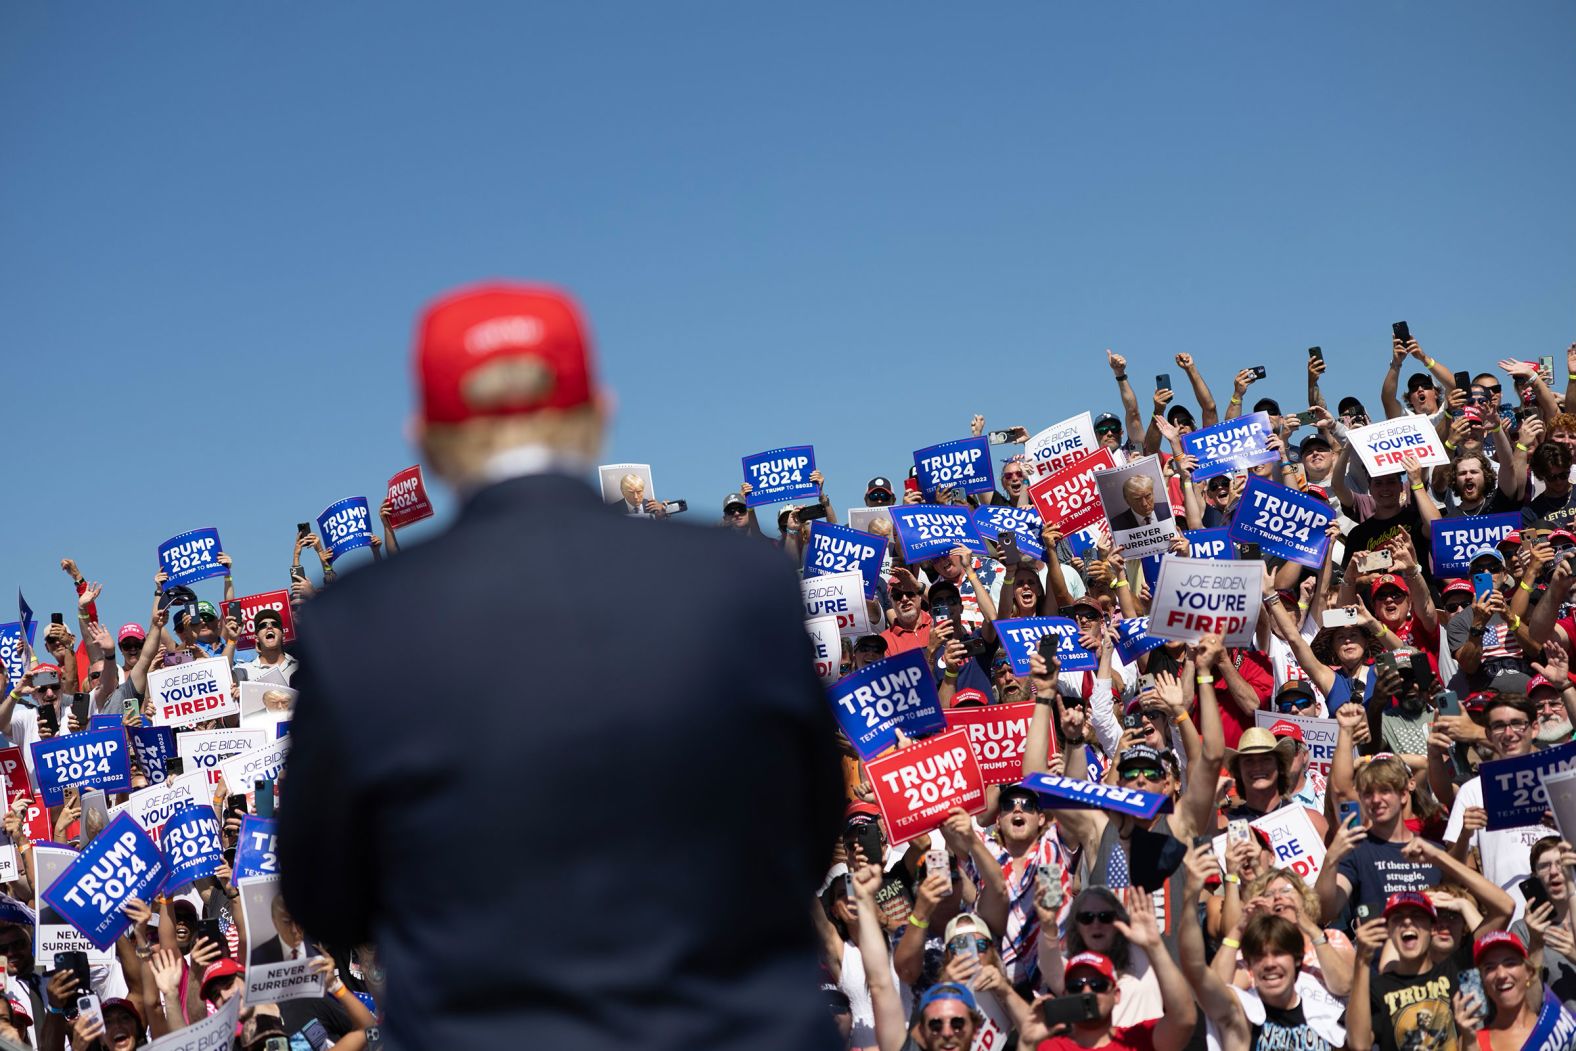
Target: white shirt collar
x,y
524,460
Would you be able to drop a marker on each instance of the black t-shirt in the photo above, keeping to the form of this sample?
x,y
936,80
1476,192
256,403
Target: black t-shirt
x,y
1286,1030
1496,504
1376,870
1558,511
1371,533
1413,1012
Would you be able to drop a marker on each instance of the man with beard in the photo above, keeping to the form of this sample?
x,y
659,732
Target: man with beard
x,y
1262,769
1473,488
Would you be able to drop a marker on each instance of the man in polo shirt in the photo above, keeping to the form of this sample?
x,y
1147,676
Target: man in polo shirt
x,y
910,628
272,663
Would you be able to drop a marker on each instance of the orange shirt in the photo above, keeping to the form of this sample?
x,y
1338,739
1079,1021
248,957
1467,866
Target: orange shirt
x,y
900,639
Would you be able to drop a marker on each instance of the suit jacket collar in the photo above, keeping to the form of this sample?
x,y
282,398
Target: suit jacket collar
x,y
534,491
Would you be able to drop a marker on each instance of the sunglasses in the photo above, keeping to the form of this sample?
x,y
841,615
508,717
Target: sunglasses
x,y
1104,916
1016,476
734,512
1094,983
956,1023
1149,773
1109,428
1017,803
1486,389
900,593
1294,705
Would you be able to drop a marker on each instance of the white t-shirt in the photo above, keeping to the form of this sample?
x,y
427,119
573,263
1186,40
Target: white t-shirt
x,y
279,673
1507,853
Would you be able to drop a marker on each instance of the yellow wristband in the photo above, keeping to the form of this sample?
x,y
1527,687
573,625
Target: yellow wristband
x,y
1521,448
1418,486
1450,446
1430,362
1303,606
1525,586
1515,622
1235,400
1184,718
1203,680
1232,877
1121,582
1231,943
917,922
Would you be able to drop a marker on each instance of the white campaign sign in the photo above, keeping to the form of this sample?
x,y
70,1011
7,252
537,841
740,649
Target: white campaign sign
x,y
214,1033
205,749
241,772
840,595
828,648
1320,736
1059,445
1195,597
1292,839
151,807
1384,445
192,693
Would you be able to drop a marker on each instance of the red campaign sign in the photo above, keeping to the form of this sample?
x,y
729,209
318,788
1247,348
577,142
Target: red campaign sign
x,y
408,498
251,605
37,821
918,787
997,733
16,784
1070,498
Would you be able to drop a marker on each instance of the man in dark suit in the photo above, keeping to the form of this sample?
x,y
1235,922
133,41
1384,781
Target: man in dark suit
x,y
1139,493
607,832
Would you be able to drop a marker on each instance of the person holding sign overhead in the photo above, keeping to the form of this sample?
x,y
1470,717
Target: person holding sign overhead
x,y
510,415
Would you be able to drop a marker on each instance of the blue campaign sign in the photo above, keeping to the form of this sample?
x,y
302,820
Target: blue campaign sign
x,y
1232,446
928,530
88,759
153,747
121,863
1067,793
1282,521
254,848
1133,639
25,612
1022,522
1513,791
964,463
780,474
104,721
191,557
13,655
1456,538
838,549
191,844
878,699
1020,638
1208,543
346,526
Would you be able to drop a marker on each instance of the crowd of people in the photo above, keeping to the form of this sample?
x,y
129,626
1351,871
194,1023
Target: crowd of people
x,y
1412,920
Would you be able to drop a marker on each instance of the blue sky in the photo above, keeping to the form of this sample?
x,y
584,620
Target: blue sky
x,y
850,225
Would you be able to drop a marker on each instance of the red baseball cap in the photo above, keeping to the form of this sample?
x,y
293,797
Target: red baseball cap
x,y
1389,580
1457,584
1094,960
1538,682
223,968
130,631
860,807
969,698
1512,537
1493,938
1285,728
501,350
1409,899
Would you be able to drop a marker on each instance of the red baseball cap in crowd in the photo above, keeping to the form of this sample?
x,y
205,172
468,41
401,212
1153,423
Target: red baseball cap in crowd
x,y
501,350
1493,938
1409,899
1457,584
1388,580
1287,728
224,968
130,631
1095,961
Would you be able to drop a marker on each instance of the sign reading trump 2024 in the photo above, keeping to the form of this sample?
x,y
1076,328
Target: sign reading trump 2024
x,y
918,787
191,843
1024,523
928,530
192,692
780,474
346,526
1020,637
1513,791
121,863
1283,522
191,557
1454,540
838,549
1195,597
961,464
87,759
407,497
1234,445
878,699
1384,446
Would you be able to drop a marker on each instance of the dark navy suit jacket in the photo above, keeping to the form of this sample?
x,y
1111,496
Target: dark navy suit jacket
x,y
574,774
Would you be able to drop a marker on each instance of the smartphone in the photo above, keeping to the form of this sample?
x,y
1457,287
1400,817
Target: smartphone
x,y
1163,381
1065,1010
210,929
1259,372
1482,586
1146,682
229,857
1307,419
1534,892
57,618
315,1034
1469,983
1316,353
848,885
49,717
1237,831
1546,367
1047,648
1464,381
1001,438
1402,332
869,843
1363,912
79,708
88,1006
233,611
265,798
1133,721
235,804
911,485
1007,552
297,573
941,611
1248,552
1339,617
807,513
1448,703
1351,812
936,864
1374,561
277,1043
1387,661
77,963
302,529
1048,887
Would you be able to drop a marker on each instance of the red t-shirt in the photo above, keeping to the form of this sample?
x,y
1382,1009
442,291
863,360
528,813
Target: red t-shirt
x,y
1140,1037
900,639
1254,667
